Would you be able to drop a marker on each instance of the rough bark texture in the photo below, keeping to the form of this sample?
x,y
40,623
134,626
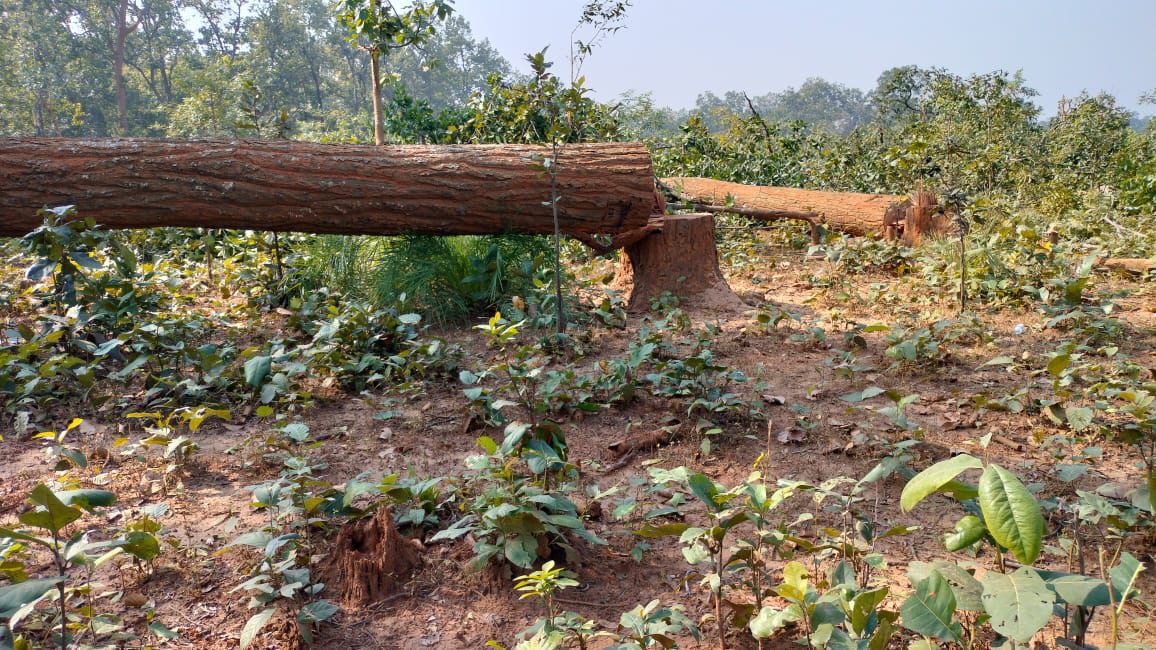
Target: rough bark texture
x,y
1138,265
683,260
296,186
856,214
921,218
370,559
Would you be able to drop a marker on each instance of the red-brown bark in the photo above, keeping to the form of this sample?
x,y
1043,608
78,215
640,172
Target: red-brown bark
x,y
605,188
849,212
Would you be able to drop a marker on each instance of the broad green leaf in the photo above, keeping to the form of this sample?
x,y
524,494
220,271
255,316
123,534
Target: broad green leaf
x,y
935,477
54,516
770,620
255,539
998,361
705,490
843,574
163,631
665,530
968,530
13,597
1069,472
141,545
1125,573
795,575
1152,492
865,394
826,614
1011,512
316,611
1019,603
1082,591
87,499
930,611
1079,417
521,550
15,534
863,606
254,625
256,370
966,589
881,639
1058,364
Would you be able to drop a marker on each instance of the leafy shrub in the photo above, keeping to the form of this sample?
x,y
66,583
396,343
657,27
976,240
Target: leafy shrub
x,y
448,279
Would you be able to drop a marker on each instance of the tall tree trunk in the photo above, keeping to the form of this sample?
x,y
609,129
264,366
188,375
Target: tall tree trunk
x,y
123,29
300,186
375,73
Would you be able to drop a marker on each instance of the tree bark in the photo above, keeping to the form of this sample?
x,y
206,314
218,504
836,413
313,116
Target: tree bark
x,y
605,188
378,118
1137,265
123,29
849,212
681,259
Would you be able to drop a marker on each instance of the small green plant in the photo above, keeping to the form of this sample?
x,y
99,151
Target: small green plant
x,y
1006,515
611,310
53,513
654,626
931,346
279,579
556,627
512,517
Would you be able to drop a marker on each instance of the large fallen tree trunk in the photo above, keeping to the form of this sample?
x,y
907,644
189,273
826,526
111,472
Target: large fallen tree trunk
x,y
605,188
856,214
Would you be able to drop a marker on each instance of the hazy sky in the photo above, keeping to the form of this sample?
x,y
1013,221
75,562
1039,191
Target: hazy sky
x,y
679,48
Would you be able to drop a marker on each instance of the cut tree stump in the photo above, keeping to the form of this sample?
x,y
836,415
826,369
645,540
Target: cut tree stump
x,y
681,259
606,188
370,559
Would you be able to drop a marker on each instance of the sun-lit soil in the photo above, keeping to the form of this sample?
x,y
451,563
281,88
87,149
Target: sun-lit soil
x,y
445,605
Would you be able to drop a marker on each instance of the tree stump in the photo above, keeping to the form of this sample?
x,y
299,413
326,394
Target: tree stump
x,y
921,218
370,559
683,260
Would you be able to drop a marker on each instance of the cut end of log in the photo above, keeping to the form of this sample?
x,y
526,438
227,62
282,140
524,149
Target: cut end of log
x,y
371,560
681,260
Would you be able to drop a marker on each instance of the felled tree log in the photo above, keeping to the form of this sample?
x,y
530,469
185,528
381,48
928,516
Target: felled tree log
x,y
605,188
681,259
849,212
1137,265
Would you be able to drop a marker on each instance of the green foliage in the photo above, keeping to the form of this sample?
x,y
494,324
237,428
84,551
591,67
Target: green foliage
x,y
930,610
512,517
448,279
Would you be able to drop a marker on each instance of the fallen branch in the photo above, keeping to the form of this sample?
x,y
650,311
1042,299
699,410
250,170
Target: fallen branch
x,y
643,442
812,219
622,240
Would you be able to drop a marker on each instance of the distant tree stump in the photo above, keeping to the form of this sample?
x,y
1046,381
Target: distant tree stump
x,y
683,260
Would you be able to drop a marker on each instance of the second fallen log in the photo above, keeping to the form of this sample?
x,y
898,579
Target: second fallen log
x,y
605,188
849,212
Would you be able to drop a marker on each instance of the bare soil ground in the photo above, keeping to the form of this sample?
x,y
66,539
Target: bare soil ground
x,y
445,605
